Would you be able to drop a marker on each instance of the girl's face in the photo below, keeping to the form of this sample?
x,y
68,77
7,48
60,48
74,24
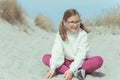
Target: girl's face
x,y
73,23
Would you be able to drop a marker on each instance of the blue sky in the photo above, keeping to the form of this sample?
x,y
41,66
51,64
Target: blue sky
x,y
54,9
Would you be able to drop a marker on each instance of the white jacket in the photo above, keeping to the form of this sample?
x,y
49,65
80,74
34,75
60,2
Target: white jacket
x,y
75,48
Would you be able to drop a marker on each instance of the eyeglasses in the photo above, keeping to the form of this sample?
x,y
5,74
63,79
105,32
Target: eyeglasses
x,y
74,22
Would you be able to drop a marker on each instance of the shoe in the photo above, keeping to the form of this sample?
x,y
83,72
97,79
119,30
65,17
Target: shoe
x,y
80,74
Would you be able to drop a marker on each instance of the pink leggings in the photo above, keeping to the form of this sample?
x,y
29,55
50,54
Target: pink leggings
x,y
89,65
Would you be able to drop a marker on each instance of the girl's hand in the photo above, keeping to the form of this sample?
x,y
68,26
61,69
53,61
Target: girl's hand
x,y
68,75
50,74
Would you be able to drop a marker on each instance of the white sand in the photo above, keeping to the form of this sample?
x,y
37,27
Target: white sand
x,y
21,53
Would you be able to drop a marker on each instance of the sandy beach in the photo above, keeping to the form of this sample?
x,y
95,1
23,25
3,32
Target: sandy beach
x,y
21,53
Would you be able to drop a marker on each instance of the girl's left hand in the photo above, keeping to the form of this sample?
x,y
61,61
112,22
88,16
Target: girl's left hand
x,y
50,74
68,74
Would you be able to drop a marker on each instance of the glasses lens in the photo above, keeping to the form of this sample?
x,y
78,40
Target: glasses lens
x,y
74,22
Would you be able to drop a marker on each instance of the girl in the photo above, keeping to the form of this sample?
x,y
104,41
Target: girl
x,y
69,55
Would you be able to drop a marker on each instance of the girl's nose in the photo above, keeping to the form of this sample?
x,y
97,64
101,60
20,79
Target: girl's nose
x,y
74,24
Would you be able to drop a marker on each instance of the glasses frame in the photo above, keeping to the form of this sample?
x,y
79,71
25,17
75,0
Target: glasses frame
x,y
74,22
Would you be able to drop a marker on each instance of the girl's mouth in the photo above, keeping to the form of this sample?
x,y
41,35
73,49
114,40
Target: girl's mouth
x,y
74,28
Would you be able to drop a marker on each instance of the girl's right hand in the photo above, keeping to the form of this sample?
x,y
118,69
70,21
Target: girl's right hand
x,y
50,74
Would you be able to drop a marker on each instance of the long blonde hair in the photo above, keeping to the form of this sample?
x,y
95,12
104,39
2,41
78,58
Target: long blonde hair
x,y
68,13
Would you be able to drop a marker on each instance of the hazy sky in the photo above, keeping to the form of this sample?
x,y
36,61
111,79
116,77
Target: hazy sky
x,y
54,9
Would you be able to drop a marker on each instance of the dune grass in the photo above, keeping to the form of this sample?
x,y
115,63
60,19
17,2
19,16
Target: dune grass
x,y
11,12
44,23
108,21
14,14
110,17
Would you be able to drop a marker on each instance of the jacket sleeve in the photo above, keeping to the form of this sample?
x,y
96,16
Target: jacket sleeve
x,y
57,57
81,53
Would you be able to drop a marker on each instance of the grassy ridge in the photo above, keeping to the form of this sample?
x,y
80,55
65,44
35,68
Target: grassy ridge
x,y
44,22
11,12
107,21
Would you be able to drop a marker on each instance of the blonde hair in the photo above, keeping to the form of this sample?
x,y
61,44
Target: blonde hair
x,y
62,31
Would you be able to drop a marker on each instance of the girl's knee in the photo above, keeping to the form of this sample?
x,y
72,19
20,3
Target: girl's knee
x,y
46,58
99,60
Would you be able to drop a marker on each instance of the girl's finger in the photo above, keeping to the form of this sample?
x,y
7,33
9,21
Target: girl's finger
x,y
50,76
64,75
47,76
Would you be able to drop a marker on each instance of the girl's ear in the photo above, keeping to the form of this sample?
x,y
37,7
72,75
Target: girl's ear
x,y
64,22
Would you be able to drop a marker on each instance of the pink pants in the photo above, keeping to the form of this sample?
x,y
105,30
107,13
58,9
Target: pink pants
x,y
89,65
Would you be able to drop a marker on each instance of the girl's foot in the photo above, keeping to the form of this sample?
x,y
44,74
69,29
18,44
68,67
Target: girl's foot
x,y
80,74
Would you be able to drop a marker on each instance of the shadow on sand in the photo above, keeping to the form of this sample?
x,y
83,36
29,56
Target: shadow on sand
x,y
97,74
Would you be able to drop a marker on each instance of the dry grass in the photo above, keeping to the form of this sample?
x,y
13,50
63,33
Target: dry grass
x,y
109,18
44,22
11,12
107,22
88,22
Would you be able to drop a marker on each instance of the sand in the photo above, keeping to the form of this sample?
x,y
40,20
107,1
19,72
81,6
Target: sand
x,y
21,53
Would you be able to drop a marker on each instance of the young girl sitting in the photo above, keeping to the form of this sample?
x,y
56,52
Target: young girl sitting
x,y
70,52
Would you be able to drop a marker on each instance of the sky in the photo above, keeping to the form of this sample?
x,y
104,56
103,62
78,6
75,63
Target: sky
x,y
55,9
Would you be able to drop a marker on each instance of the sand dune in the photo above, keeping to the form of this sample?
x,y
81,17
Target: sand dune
x,y
20,54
